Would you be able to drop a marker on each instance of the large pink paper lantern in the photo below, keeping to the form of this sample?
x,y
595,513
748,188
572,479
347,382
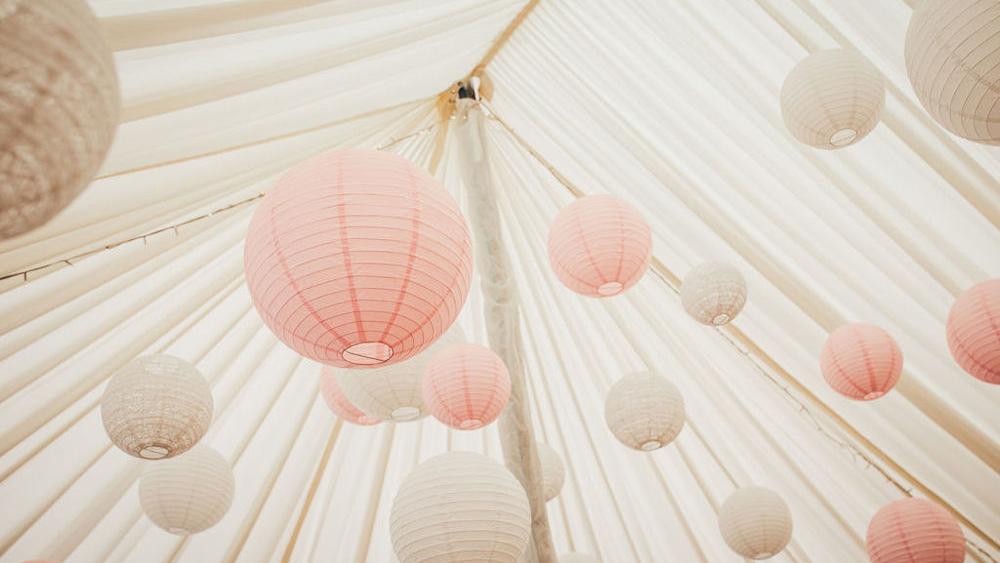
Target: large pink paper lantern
x,y
861,361
357,258
466,386
974,331
914,530
599,246
338,402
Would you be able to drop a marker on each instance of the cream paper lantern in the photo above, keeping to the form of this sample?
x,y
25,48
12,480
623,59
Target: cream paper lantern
x,y
553,471
59,105
713,293
157,406
644,411
189,493
460,506
953,61
755,522
832,99
574,557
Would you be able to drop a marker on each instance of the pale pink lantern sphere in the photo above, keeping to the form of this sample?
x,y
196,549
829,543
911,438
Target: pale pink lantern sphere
x,y
914,530
861,361
357,258
974,331
599,246
466,386
338,402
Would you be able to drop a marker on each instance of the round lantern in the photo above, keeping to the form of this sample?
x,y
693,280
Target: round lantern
x,y
189,493
466,386
460,506
553,472
599,246
574,557
914,530
832,99
644,411
157,406
338,403
861,361
358,258
974,331
713,293
755,522
953,61
60,108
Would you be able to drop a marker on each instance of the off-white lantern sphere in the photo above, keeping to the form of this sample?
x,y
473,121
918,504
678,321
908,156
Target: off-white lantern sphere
x,y
755,522
189,493
553,471
644,411
953,61
460,506
832,99
575,557
713,293
157,406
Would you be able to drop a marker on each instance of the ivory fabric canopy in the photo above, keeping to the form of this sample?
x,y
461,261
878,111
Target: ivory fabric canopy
x,y
671,105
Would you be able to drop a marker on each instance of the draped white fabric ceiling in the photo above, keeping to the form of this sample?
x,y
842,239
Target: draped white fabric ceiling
x,y
671,105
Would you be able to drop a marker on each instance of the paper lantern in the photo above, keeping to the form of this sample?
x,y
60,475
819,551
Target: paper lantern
x,y
157,406
861,361
599,246
914,530
553,472
338,403
466,386
59,110
358,258
755,522
713,293
832,99
574,557
644,411
460,506
974,331
189,493
953,61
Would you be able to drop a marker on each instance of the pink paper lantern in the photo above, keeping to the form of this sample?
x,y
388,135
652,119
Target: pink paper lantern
x,y
974,331
358,258
914,530
861,361
338,403
599,246
466,386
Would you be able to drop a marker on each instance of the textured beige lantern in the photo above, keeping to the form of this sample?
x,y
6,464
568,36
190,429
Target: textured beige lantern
x,y
189,493
755,522
644,411
553,472
713,293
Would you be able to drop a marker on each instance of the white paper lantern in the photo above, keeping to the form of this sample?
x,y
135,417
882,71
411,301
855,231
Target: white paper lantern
x,y
644,411
157,406
460,506
574,557
553,472
755,522
189,493
953,61
59,106
713,293
832,99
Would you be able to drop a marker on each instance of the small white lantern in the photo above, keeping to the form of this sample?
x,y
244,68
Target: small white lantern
x,y
713,293
553,472
755,522
189,493
644,411
574,557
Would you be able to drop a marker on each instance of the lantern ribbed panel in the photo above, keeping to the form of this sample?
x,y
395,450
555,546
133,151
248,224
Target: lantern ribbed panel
x,y
832,99
59,108
713,293
460,506
553,472
755,522
644,411
466,386
338,402
861,361
157,406
189,493
599,246
914,530
358,258
974,331
578,558
953,61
